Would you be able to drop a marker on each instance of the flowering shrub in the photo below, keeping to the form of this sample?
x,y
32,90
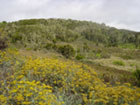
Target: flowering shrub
x,y
45,81
27,93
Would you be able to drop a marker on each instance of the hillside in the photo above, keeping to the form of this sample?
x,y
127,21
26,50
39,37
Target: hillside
x,y
38,32
87,40
68,62
33,80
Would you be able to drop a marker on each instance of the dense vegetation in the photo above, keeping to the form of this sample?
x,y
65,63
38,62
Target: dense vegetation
x,y
68,62
46,81
89,40
38,32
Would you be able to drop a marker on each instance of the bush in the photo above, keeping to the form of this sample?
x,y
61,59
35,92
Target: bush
x,y
126,56
67,51
49,46
44,81
3,41
3,44
119,63
137,75
98,55
79,57
105,55
16,37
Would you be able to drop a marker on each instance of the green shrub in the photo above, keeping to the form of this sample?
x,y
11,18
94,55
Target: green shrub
x,y
132,64
137,76
98,55
126,56
49,46
28,49
119,63
3,40
67,51
16,37
3,43
105,55
128,45
79,57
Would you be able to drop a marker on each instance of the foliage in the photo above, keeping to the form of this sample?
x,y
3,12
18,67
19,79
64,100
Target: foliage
x,y
119,63
125,46
105,55
98,55
49,46
3,41
86,47
38,31
126,56
42,81
67,51
35,80
137,75
137,39
129,54
16,37
27,93
79,57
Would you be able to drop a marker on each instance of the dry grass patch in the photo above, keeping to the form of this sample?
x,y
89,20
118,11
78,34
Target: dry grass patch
x,y
118,63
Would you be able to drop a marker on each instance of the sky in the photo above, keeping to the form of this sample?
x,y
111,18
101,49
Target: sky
x,y
117,13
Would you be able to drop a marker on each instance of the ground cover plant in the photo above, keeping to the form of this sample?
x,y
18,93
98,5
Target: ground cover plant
x,y
35,80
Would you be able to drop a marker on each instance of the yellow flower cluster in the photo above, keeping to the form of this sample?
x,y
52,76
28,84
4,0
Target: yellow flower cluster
x,y
3,57
27,93
8,55
36,81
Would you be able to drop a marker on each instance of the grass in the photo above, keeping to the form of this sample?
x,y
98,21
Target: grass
x,y
128,46
119,63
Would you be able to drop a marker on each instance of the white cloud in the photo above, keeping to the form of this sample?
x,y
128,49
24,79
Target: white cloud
x,y
118,13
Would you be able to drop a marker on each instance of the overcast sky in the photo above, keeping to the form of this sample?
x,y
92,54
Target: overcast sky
x,y
117,13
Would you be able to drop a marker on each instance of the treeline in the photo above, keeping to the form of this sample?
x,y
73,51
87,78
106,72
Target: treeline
x,y
38,32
